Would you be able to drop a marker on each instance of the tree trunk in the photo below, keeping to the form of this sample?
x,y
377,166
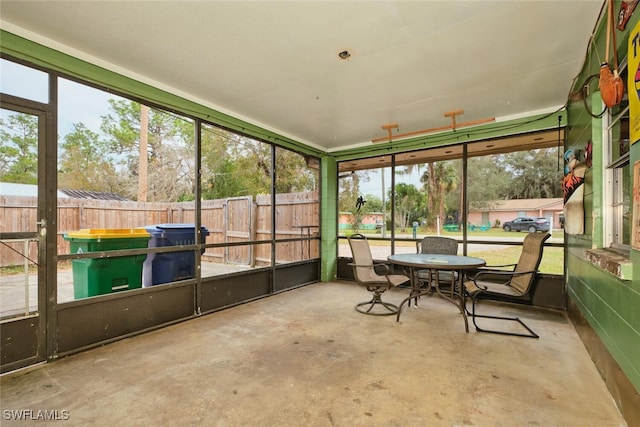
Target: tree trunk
x,y
142,158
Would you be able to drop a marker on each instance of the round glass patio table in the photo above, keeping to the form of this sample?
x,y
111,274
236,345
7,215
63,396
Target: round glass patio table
x,y
434,263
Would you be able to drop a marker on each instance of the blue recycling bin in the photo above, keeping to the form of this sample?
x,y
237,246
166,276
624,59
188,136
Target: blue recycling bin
x,y
167,267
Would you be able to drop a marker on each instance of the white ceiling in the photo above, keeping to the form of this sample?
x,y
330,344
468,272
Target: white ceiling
x,y
276,64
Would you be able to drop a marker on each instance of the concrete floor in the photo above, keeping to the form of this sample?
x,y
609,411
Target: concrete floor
x,y
307,358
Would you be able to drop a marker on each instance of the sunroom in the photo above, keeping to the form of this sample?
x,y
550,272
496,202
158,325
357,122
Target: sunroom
x,y
166,162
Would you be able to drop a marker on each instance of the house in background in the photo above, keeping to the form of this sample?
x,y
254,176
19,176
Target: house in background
x,y
507,210
370,221
498,210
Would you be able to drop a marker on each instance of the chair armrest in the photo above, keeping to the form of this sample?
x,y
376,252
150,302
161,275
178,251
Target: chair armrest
x,y
374,265
478,287
506,275
503,273
489,267
386,268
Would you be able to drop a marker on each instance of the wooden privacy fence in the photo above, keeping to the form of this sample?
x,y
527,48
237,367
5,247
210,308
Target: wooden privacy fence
x,y
231,220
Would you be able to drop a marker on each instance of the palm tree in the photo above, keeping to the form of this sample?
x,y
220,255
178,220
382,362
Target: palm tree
x,y
409,203
439,179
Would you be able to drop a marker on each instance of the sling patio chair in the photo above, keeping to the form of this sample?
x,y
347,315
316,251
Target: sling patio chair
x,y
515,285
364,272
438,245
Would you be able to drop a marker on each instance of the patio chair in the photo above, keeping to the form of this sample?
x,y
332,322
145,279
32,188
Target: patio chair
x,y
365,274
515,285
438,245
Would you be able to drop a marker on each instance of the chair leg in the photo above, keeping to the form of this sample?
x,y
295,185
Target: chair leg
x,y
376,300
473,314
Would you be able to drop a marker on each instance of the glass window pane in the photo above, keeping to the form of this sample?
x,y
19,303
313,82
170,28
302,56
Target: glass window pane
x,y
297,205
513,194
19,153
24,82
19,210
364,204
435,207
363,199
236,200
123,167
626,206
410,202
620,190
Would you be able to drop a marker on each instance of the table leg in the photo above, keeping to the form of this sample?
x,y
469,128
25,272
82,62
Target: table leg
x,y
462,306
460,302
439,291
415,290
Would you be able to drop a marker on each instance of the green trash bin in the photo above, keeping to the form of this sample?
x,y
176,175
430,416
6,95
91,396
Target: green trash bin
x,y
99,276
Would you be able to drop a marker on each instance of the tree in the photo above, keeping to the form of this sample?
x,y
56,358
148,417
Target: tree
x,y
519,175
348,193
374,203
234,165
170,152
252,160
143,166
85,164
220,177
19,149
487,181
534,173
438,180
292,173
409,203
349,190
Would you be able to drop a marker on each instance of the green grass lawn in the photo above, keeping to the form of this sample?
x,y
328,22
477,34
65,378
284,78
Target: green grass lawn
x,y
552,259
492,232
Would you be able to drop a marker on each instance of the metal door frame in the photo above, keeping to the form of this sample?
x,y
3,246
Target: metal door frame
x,y
45,234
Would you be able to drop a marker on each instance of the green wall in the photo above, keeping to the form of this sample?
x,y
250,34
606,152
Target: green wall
x,y
609,304
329,219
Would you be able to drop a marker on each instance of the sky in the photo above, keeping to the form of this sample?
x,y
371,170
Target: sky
x,y
77,102
24,82
374,185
